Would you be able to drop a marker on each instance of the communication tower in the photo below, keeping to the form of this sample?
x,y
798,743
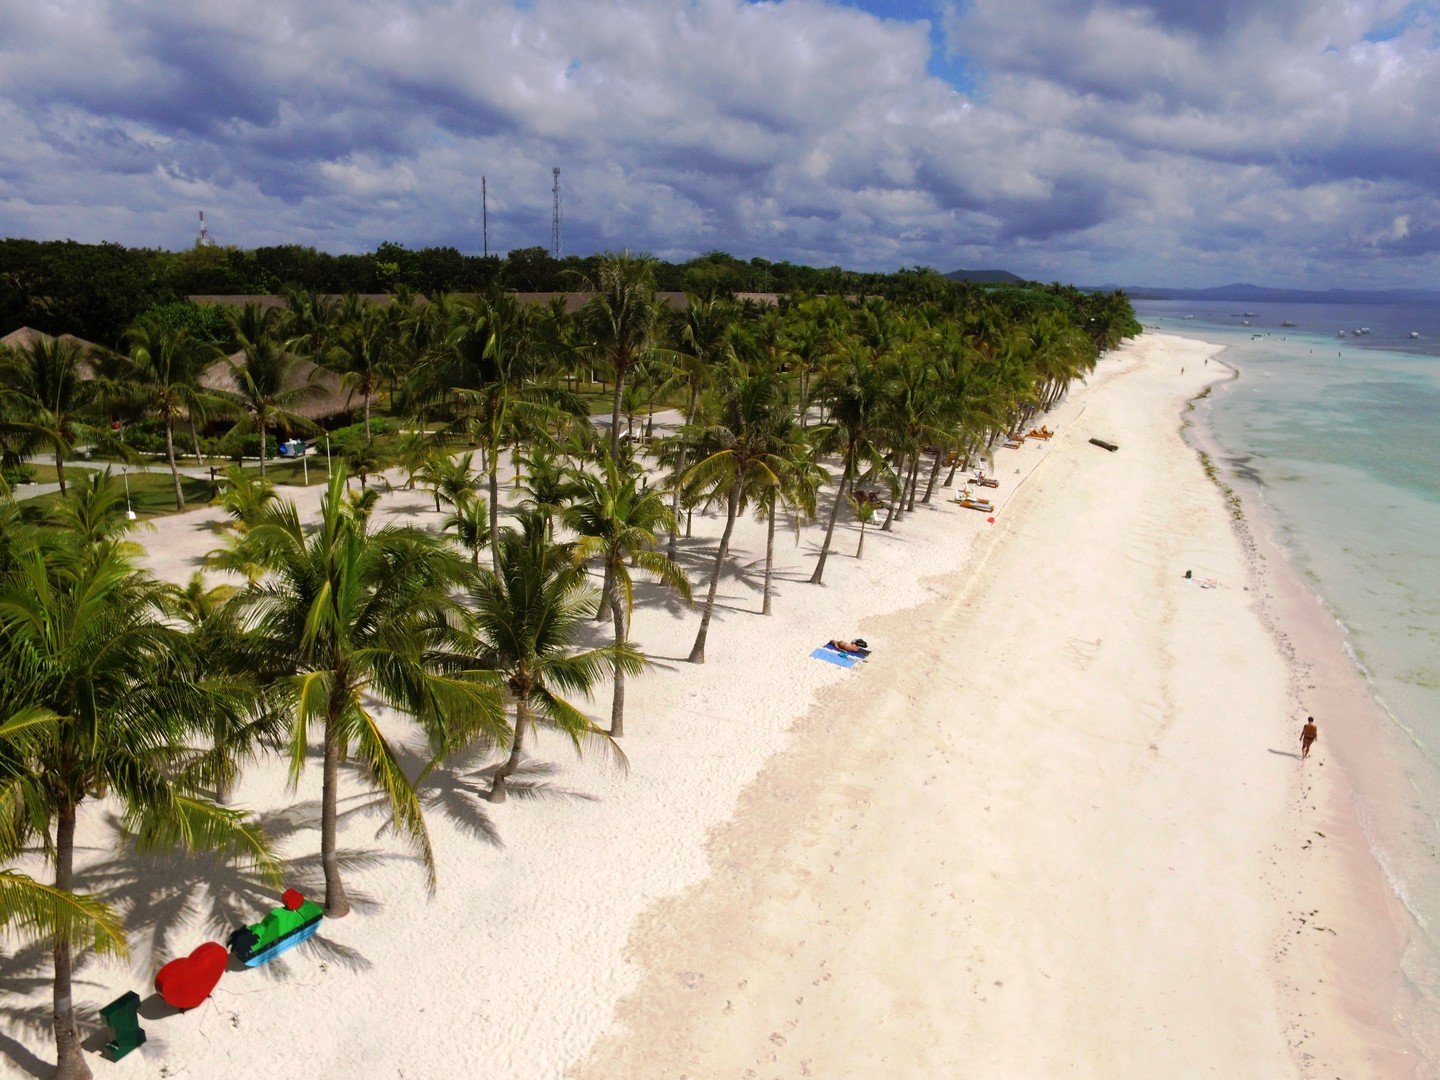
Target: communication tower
x,y
555,216
204,238
484,217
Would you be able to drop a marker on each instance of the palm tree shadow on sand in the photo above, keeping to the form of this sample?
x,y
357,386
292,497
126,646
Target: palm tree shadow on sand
x,y
26,975
171,903
459,787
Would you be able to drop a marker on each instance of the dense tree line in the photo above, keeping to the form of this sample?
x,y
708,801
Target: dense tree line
x,y
119,691
96,291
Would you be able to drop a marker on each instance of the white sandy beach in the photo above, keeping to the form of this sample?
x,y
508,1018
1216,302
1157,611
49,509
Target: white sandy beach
x,y
1052,827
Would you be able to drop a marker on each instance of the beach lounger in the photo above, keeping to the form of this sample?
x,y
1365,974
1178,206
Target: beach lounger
x,y
985,481
1014,444
976,504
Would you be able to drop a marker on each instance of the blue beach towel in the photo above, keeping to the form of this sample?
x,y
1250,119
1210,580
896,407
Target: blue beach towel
x,y
837,657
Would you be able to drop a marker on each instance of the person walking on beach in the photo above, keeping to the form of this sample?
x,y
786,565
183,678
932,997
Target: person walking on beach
x,y
1308,734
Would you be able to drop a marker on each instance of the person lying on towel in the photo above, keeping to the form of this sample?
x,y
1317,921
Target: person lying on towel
x,y
857,646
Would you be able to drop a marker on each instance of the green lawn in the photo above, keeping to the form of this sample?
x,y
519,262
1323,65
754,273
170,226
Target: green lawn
x,y
151,494
45,474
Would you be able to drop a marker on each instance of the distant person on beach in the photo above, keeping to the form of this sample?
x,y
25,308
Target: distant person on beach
x,y
856,646
1308,734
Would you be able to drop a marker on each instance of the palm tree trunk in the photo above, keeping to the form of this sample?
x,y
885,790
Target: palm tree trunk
x,y
603,608
174,469
336,902
60,475
860,547
914,482
70,1056
617,702
495,512
679,474
959,460
497,786
674,506
195,434
615,413
818,575
934,476
264,437
697,652
367,416
769,553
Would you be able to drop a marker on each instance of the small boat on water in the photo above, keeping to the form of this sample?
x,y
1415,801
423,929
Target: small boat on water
x,y
1287,322
1414,333
1244,322
1249,314
1362,330
1189,316
1341,333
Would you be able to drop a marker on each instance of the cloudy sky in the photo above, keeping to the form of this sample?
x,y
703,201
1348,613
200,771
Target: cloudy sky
x,y
1188,142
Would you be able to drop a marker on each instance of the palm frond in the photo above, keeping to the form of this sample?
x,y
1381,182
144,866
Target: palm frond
x,y
38,911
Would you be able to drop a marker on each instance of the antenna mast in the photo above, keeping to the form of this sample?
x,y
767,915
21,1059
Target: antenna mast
x,y
555,217
204,239
484,217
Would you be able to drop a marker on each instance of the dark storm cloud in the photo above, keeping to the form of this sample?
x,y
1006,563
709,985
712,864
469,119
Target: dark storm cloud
x,y
1103,137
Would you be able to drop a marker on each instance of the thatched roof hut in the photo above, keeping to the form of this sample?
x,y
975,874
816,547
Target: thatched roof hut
x,y
574,301
329,399
268,301
27,336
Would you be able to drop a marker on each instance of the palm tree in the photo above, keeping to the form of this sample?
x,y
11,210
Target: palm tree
x,y
864,504
705,346
212,614
620,323
524,620
546,480
105,707
798,477
498,394
617,520
48,401
852,395
163,372
740,445
94,514
265,375
351,614
470,521
364,458
361,353
412,450
449,477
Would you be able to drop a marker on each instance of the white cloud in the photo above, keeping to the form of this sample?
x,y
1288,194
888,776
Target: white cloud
x,y
1126,140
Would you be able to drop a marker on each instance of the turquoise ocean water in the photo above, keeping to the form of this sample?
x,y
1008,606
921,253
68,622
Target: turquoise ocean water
x,y
1339,440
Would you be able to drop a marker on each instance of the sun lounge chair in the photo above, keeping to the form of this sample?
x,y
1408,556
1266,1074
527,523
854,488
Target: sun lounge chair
x,y
1015,443
985,481
976,504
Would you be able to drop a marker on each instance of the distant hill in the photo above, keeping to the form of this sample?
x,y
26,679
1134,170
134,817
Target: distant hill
x,y
1245,293
985,277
